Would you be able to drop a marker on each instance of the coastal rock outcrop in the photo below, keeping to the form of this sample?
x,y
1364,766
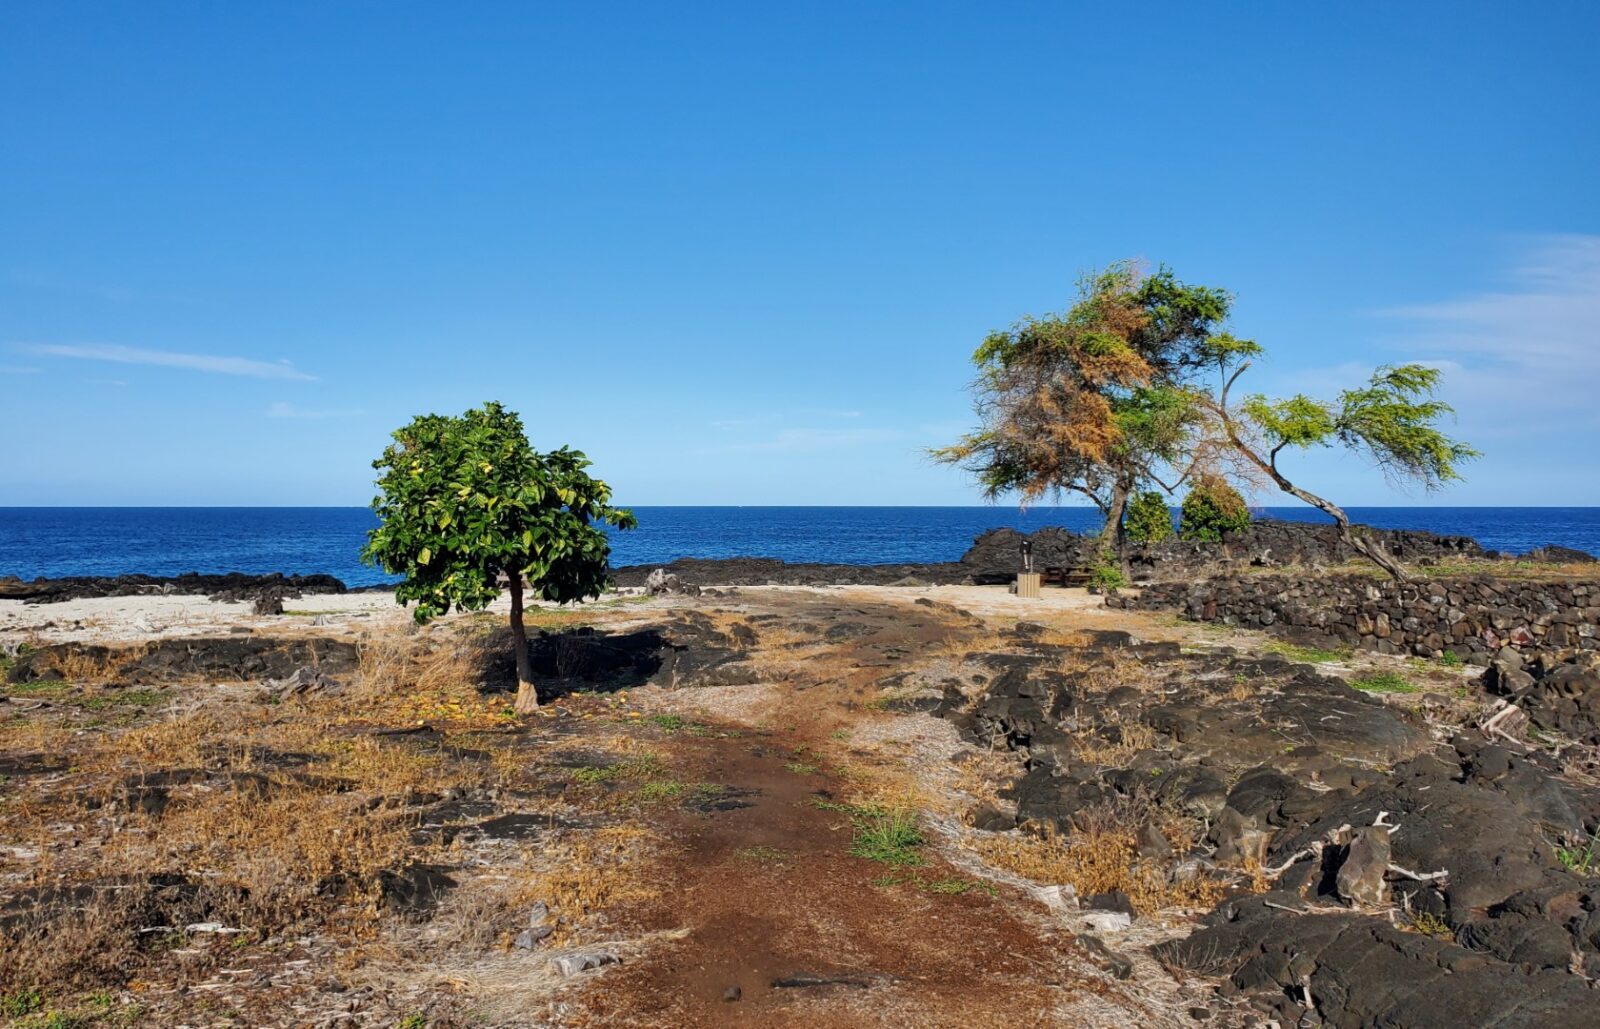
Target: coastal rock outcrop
x,y
996,555
233,586
216,659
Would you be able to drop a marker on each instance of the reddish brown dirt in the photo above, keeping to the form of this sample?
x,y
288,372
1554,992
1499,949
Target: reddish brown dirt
x,y
893,952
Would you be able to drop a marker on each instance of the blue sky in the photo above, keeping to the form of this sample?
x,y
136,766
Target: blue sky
x,y
741,253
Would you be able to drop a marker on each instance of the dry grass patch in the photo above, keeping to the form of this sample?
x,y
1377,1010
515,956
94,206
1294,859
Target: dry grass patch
x,y
983,774
781,652
89,665
590,875
1132,738
1103,671
290,851
1098,859
1057,636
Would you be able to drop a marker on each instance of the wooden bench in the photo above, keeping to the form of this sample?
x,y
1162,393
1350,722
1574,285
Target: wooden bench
x,y
1059,576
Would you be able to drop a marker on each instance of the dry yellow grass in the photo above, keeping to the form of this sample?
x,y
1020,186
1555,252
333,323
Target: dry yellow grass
x,y
1057,636
90,667
982,774
1103,671
290,849
1132,738
589,875
781,652
1097,859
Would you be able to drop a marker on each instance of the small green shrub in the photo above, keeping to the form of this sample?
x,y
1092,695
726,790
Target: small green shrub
x,y
1579,860
1107,574
1148,519
1212,508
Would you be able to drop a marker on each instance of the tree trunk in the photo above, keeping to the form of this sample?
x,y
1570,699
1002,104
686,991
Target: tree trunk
x,y
1114,538
527,694
1368,548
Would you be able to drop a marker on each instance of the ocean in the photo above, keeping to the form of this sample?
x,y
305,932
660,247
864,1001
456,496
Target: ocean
x,y
60,541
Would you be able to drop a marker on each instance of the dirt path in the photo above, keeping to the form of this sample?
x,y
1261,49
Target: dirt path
x,y
785,925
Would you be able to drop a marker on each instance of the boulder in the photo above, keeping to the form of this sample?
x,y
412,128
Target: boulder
x,y
1360,880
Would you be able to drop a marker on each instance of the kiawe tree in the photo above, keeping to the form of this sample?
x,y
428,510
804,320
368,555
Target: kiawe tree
x,y
466,503
1113,396
1392,420
1092,401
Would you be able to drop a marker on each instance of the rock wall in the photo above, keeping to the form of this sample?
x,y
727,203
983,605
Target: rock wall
x,y
1473,618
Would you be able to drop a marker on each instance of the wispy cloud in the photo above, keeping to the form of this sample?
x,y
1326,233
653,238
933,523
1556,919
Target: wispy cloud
x,y
283,409
214,363
16,369
1520,359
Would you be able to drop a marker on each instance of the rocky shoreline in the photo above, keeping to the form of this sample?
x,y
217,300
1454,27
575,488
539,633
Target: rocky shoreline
x,y
232,586
993,559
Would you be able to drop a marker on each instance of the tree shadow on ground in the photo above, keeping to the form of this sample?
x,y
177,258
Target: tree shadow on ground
x,y
576,660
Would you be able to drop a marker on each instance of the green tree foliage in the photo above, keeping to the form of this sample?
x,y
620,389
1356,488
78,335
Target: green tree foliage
x,y
1392,420
1092,401
1211,508
466,501
1148,519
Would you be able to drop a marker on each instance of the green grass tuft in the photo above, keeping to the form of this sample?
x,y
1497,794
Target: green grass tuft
x,y
1310,655
1385,682
656,792
888,837
22,1002
38,688
645,766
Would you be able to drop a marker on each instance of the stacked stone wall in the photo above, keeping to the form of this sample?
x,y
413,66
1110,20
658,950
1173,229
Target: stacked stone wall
x,y
1473,618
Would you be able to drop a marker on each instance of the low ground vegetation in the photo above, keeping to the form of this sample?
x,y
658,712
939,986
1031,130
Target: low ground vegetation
x,y
831,788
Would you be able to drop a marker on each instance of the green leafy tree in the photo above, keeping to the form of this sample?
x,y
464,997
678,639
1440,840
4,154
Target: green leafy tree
x,y
1092,401
468,507
1211,508
1149,520
1393,420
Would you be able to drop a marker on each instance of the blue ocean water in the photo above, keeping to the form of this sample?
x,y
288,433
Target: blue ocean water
x,y
48,541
